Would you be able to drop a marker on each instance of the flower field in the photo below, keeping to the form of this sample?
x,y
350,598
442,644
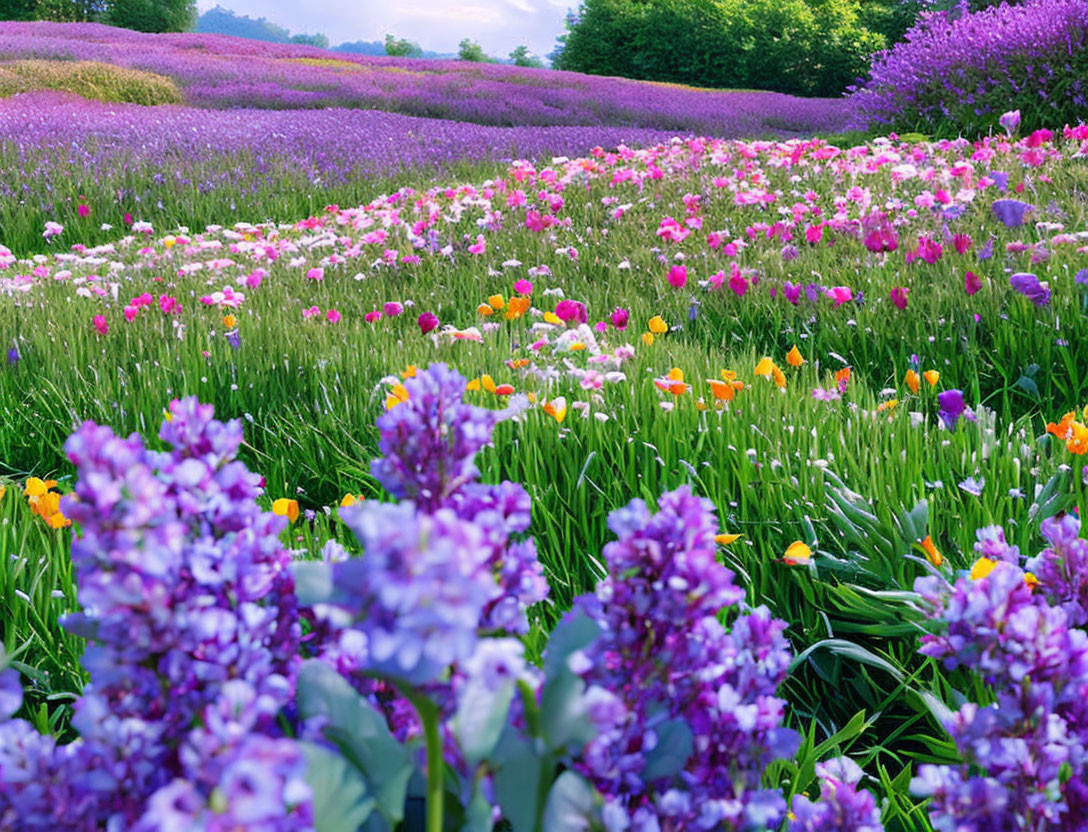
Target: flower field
x,y
671,483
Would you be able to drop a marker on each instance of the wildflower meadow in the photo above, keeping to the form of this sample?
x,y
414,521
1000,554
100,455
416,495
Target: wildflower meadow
x,y
688,460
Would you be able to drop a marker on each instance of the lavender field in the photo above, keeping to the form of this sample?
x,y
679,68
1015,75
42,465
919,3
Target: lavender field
x,y
405,445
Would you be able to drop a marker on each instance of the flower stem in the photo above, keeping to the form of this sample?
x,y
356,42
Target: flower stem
x,y
436,762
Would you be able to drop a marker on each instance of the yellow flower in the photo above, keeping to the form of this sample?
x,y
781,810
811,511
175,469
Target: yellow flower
x,y
286,508
912,381
658,326
931,551
1031,580
552,318
890,404
36,487
409,372
797,553
169,241
350,500
557,409
648,339
397,395
779,376
932,376
3,491
229,321
56,520
577,346
700,404
724,539
764,367
981,568
497,302
794,357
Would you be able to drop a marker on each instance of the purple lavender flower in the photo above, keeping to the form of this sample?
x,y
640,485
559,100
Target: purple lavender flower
x,y
842,806
1010,121
1081,277
952,407
1011,212
667,658
1031,287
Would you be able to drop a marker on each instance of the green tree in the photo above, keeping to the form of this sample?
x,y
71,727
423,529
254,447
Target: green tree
x,y
152,15
402,48
64,11
18,9
319,40
469,50
521,57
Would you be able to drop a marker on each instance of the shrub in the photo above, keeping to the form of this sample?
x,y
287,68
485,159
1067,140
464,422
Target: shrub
x,y
810,47
90,79
958,71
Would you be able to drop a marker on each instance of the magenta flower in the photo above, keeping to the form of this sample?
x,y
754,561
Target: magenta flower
x,y
100,325
84,210
428,322
392,308
316,274
899,296
620,317
882,239
738,283
130,312
971,283
678,277
1010,121
841,294
372,316
333,316
571,310
523,287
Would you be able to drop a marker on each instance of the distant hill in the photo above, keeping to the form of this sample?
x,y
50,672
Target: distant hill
x,y
221,21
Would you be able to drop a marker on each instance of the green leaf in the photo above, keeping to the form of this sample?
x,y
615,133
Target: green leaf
x,y
479,720
571,804
361,734
516,781
313,582
341,802
674,747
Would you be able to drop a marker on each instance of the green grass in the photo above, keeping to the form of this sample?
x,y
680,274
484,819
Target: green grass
x,y
89,79
779,465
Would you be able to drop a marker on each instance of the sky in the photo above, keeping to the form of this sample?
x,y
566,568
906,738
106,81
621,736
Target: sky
x,y
438,25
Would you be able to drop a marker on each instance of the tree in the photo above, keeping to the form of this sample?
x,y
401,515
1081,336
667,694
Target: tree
x,y
469,50
152,15
18,9
402,48
521,57
318,40
63,11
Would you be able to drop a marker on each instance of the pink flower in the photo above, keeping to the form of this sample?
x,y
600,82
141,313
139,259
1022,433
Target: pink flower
x,y
601,326
312,312
372,316
479,247
678,277
333,316
620,317
130,312
254,279
971,283
392,308
84,210
738,283
569,310
840,294
316,274
814,233
899,297
963,243
428,321
169,305
523,287
100,324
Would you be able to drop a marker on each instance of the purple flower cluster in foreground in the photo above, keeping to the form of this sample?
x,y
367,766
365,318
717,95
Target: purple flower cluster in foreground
x,y
218,71
663,657
1025,756
190,613
966,69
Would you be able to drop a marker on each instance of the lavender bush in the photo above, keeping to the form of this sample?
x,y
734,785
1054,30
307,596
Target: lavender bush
x,y
957,71
1025,755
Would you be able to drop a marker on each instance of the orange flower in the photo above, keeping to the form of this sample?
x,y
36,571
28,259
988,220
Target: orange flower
x,y
724,539
517,363
658,326
516,308
409,372
648,339
794,358
764,367
890,404
397,395
931,376
843,376
673,382
779,376
229,321
912,381
931,551
981,568
557,409
485,310
497,302
286,508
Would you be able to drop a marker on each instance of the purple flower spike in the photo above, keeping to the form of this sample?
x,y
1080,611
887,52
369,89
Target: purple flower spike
x,y
1031,287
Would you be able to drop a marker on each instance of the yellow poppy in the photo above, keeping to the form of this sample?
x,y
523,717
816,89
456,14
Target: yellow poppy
x,y
350,500
764,368
891,404
229,321
648,339
724,539
497,302
797,553
981,568
794,357
1031,580
286,508
557,409
658,326
552,318
397,395
932,376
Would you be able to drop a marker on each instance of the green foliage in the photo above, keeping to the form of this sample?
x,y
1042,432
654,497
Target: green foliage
x,y
807,47
319,40
402,48
151,15
522,57
225,22
61,11
18,9
469,50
